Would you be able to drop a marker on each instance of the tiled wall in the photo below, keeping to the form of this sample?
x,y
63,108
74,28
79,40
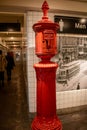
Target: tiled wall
x,y
32,17
72,98
65,99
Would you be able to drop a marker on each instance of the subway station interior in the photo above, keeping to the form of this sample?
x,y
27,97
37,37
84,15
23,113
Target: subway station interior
x,y
29,101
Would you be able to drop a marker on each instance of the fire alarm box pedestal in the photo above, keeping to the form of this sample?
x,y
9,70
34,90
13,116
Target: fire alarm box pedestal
x,y
45,48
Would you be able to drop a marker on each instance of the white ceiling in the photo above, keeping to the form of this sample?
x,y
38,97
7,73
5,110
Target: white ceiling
x,y
79,0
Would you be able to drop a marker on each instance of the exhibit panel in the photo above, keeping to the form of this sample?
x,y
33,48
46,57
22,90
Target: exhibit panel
x,y
72,56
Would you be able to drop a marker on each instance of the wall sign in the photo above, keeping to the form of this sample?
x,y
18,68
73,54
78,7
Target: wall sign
x,y
11,27
71,25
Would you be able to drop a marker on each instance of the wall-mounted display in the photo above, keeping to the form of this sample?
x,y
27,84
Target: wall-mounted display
x,y
72,63
72,54
71,25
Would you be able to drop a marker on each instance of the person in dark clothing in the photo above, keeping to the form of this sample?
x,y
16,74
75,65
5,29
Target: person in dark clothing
x,y
10,64
2,68
78,86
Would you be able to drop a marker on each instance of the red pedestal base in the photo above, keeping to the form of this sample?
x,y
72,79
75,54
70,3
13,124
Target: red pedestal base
x,y
46,124
46,118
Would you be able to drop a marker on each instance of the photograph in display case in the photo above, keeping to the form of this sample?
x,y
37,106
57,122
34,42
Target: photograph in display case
x,y
71,73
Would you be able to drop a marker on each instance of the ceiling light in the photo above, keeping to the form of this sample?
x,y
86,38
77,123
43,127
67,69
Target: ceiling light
x,y
12,38
83,20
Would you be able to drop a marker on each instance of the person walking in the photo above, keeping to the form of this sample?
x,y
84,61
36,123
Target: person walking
x,y
10,65
2,68
78,86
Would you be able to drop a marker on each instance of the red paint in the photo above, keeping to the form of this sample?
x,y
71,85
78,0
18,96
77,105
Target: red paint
x,y
45,34
46,118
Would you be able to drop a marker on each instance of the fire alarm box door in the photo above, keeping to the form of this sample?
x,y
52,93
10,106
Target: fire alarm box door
x,y
48,41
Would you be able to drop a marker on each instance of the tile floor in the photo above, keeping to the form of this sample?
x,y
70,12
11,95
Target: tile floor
x,y
14,113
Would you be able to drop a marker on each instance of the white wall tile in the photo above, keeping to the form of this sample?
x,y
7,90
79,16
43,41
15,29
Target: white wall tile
x,y
71,98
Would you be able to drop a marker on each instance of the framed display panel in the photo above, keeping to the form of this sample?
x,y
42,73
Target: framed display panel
x,y
71,25
72,54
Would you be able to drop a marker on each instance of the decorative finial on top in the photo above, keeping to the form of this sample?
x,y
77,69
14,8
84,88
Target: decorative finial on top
x,y
45,9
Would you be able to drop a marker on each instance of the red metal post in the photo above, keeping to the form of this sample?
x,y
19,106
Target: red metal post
x,y
46,118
